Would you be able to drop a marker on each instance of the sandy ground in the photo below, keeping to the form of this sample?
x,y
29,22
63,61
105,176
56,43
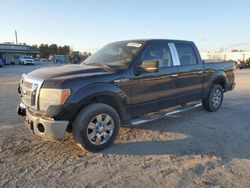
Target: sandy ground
x,y
192,149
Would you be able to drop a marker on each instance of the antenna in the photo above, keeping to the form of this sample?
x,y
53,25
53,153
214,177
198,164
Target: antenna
x,y
16,36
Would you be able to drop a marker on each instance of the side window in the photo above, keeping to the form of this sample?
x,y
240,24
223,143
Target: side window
x,y
186,54
160,53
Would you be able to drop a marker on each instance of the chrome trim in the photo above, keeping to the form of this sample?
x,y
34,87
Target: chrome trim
x,y
22,105
34,81
175,56
121,80
141,121
174,75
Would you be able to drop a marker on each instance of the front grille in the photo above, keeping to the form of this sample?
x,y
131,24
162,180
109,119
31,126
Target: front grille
x,y
27,84
29,88
26,88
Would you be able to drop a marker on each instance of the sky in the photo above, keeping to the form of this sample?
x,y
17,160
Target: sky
x,y
87,25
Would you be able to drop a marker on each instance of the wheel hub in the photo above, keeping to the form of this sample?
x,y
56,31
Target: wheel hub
x,y
100,129
216,99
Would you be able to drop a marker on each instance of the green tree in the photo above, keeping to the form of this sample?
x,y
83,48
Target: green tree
x,y
63,50
248,60
44,50
86,54
53,49
35,47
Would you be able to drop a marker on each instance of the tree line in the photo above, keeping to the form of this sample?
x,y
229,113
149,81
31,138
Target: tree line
x,y
49,50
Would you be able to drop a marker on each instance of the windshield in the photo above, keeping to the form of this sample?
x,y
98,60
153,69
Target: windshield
x,y
118,54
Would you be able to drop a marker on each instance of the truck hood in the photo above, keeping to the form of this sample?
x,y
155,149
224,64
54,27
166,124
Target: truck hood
x,y
68,70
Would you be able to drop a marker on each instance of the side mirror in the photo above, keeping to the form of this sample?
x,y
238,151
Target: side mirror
x,y
148,66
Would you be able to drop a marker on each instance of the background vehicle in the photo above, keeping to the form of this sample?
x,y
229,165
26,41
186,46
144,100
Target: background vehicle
x,y
1,63
244,65
25,60
126,82
44,60
60,59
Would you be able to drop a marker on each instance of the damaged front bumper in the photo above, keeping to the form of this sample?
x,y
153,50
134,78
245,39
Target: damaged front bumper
x,y
45,127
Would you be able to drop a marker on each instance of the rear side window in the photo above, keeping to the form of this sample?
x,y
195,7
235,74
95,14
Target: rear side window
x,y
186,54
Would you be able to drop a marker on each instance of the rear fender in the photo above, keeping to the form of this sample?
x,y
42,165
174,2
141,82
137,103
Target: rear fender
x,y
213,78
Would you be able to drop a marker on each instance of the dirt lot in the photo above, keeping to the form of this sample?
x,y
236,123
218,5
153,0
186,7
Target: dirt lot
x,y
192,149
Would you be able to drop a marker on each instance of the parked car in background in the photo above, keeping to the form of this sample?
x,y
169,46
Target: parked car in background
x,y
244,65
43,60
37,59
237,64
1,63
25,60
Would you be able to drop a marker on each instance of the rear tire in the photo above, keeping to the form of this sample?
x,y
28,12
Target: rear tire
x,y
214,100
96,127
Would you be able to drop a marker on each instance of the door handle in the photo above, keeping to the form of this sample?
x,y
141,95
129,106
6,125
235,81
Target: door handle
x,y
121,80
174,75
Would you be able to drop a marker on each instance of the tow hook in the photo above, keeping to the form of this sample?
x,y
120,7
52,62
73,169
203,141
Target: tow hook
x,y
21,110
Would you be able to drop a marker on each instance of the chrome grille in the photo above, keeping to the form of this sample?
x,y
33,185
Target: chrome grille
x,y
26,84
26,92
29,88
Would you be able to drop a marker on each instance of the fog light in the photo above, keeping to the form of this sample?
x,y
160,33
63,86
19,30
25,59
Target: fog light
x,y
41,128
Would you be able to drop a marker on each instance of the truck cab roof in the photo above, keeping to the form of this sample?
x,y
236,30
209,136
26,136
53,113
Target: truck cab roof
x,y
156,40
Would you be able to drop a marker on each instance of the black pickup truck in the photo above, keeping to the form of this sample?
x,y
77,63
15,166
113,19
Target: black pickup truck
x,y
126,82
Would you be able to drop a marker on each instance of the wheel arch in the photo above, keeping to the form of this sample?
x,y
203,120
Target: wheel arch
x,y
101,93
218,77
220,81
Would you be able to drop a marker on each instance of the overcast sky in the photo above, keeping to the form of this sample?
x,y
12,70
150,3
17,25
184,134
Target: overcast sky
x,y
88,25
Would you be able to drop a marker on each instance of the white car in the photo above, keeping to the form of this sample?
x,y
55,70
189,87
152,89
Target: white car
x,y
24,60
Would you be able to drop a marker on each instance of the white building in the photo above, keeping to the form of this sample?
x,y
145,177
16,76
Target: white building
x,y
236,56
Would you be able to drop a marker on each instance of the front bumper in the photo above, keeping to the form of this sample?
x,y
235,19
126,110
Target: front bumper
x,y
46,128
230,87
28,62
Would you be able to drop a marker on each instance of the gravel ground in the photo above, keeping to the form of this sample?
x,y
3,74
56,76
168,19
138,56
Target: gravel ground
x,y
191,149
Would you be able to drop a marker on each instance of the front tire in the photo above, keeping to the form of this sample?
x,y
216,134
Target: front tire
x,y
96,127
214,100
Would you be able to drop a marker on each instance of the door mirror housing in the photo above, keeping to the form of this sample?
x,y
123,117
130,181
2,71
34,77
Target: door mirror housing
x,y
148,66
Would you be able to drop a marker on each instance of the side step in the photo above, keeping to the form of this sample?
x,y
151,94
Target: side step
x,y
159,115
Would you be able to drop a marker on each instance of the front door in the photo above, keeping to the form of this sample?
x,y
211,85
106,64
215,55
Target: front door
x,y
153,91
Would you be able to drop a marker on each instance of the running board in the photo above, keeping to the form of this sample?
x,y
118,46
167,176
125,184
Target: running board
x,y
160,115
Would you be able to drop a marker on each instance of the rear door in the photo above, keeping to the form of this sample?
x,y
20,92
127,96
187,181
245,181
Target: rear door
x,y
190,76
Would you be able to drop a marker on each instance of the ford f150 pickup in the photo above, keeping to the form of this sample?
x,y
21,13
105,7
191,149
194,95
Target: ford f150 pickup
x,y
126,82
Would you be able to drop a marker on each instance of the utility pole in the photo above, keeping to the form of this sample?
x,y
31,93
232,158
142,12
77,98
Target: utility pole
x,y
16,36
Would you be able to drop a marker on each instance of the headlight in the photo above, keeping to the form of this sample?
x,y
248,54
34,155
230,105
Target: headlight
x,y
49,97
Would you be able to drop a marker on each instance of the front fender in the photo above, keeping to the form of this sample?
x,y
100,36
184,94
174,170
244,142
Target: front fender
x,y
94,90
83,97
